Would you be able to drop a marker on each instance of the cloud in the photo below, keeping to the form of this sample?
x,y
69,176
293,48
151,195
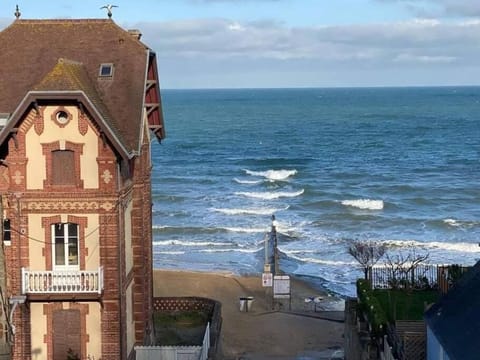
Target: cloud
x,y
224,39
440,8
223,52
416,52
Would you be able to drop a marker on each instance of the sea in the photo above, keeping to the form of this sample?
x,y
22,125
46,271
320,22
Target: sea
x,y
399,166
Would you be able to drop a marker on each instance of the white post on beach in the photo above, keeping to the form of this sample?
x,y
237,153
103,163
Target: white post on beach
x,y
267,276
266,253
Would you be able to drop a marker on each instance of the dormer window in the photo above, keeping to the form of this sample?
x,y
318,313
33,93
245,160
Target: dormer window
x,y
106,71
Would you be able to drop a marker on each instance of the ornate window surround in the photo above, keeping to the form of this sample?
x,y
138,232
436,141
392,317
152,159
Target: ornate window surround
x,y
47,223
48,150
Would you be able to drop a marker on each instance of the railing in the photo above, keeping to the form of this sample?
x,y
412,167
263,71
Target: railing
x,y
423,276
205,344
62,282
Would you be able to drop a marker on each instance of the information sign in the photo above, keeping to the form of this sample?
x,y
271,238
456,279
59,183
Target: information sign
x,y
267,279
281,287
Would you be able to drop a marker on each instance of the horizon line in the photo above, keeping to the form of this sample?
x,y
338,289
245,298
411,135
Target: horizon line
x,y
321,87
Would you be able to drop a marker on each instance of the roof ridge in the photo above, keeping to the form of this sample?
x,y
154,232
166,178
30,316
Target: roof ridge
x,y
63,60
46,21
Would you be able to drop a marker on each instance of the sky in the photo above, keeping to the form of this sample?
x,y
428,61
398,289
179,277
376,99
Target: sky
x,y
293,43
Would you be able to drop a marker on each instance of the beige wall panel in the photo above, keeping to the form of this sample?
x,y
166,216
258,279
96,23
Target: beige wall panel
x,y
39,330
36,235
36,172
94,331
128,238
130,324
92,242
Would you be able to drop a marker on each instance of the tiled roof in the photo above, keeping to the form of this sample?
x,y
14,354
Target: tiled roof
x,y
70,75
29,60
455,318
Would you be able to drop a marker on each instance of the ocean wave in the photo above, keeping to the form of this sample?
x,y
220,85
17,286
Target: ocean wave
x,y
194,230
190,243
248,182
364,204
249,251
460,223
274,175
170,252
271,195
321,261
253,211
246,230
298,251
159,227
452,222
460,246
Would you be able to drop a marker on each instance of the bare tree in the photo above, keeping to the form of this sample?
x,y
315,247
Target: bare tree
x,y
402,266
367,253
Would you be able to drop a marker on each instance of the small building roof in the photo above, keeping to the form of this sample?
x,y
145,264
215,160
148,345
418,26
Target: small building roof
x,y
30,55
455,318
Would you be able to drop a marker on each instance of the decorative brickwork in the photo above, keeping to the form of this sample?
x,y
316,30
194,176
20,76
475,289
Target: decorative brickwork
x,y
101,137
82,123
38,122
107,167
64,206
47,223
61,116
48,149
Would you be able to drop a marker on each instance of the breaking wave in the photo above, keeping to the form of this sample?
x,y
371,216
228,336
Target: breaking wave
x,y
249,251
247,230
271,195
248,182
364,204
190,243
273,175
252,211
460,246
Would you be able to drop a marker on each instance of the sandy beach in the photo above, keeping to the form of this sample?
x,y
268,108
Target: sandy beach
x,y
305,331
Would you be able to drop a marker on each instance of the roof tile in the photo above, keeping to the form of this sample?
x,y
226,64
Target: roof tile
x,y
29,58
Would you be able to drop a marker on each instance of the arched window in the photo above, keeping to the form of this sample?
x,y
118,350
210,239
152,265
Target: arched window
x,y
65,247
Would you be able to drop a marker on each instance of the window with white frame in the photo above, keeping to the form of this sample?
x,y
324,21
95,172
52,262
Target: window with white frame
x,y
65,246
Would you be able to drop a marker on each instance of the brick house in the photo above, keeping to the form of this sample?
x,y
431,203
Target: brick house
x,y
79,105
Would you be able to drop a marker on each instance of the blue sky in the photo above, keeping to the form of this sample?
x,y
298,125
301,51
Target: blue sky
x,y
294,43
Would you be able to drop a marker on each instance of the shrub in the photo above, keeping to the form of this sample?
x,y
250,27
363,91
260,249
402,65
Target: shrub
x,y
370,306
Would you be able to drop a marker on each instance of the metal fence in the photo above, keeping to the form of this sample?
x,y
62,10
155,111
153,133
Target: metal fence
x,y
440,277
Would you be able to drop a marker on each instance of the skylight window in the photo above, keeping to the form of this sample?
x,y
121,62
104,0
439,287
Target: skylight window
x,y
106,70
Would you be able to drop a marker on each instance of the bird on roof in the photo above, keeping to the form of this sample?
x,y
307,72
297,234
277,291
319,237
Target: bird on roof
x,y
17,12
109,8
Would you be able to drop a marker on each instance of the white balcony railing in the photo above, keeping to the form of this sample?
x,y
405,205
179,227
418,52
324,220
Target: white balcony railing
x,y
62,282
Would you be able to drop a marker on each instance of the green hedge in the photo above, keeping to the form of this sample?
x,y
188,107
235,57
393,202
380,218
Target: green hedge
x,y
370,306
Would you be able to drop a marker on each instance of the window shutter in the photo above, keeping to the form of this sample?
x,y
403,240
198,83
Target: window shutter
x,y
63,167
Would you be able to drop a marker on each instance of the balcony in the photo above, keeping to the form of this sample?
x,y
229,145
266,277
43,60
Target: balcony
x,y
62,284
